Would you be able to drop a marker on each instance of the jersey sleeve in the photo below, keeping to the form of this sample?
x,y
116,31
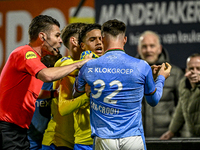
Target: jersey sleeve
x,y
67,106
68,61
33,64
47,85
153,90
79,85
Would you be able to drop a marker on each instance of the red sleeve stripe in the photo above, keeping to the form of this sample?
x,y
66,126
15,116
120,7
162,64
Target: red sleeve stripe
x,y
79,91
151,92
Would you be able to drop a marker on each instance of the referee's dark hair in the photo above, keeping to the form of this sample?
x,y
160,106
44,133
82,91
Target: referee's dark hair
x,y
41,23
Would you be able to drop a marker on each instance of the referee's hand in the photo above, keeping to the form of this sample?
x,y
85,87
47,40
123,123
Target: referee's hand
x,y
89,56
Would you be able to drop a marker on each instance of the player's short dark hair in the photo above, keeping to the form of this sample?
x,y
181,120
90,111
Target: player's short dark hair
x,y
87,28
41,23
70,30
113,27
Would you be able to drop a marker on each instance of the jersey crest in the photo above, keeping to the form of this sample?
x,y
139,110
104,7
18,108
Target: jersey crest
x,y
30,55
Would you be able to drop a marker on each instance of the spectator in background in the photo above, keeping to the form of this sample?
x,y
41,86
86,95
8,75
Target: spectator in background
x,y
42,112
22,78
188,109
157,119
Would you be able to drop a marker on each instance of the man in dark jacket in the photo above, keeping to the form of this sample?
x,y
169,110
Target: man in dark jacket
x,y
188,109
157,119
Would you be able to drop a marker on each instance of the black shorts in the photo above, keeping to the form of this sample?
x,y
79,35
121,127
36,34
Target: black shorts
x,y
13,137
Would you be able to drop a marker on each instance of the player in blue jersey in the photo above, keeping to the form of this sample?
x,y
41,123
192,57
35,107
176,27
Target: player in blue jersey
x,y
118,83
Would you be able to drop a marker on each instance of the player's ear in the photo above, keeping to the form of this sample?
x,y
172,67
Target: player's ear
x,y
74,41
82,45
125,40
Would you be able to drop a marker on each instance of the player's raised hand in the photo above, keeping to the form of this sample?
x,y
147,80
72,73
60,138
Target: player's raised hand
x,y
165,70
155,69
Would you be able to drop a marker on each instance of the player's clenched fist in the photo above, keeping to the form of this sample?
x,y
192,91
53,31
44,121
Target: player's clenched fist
x,y
155,69
165,70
